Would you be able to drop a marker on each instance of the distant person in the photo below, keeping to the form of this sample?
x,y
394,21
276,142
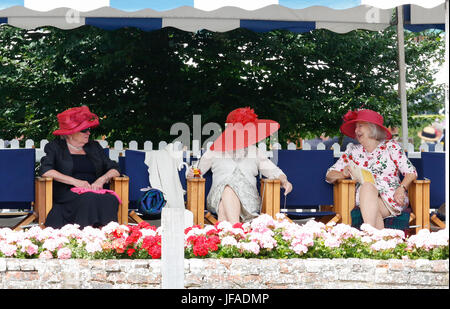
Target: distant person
x,y
430,136
75,161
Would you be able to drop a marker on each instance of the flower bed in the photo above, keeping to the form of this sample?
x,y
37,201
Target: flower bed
x,y
263,237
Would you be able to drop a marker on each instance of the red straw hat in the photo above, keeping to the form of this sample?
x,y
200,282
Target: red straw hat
x,y
364,115
75,120
244,129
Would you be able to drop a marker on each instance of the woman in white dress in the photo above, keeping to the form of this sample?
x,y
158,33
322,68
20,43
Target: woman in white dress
x,y
235,161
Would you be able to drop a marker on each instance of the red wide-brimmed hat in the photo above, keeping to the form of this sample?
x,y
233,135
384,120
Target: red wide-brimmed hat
x,y
365,115
75,120
244,129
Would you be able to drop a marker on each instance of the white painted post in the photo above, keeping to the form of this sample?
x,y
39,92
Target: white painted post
x,y
291,146
148,145
402,75
172,251
133,145
29,143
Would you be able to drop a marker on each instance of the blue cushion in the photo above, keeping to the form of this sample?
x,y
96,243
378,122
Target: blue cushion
x,y
137,171
417,162
400,222
306,170
17,173
433,165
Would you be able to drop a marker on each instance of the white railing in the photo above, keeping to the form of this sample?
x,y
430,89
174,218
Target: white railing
x,y
117,148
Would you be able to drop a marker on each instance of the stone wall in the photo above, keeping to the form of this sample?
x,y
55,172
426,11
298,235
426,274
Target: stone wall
x,y
226,273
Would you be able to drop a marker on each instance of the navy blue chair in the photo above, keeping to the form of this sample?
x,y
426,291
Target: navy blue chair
x,y
312,196
433,168
17,191
32,195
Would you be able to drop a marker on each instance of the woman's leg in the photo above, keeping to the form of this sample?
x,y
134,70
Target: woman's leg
x,y
229,206
372,207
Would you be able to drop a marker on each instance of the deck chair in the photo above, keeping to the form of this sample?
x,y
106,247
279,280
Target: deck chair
x,y
433,168
411,219
134,167
17,191
44,196
311,196
34,195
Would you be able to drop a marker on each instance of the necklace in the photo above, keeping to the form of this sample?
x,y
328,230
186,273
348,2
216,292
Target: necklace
x,y
75,147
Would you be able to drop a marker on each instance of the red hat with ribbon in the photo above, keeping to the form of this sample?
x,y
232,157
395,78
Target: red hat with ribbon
x,y
243,128
363,115
75,120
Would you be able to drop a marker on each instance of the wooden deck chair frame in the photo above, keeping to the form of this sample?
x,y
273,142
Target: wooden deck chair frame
x,y
44,201
196,197
344,199
419,199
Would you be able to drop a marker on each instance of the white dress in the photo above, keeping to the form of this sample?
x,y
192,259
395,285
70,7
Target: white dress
x,y
238,170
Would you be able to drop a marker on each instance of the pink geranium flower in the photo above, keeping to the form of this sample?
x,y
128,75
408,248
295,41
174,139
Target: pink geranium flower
x,y
64,253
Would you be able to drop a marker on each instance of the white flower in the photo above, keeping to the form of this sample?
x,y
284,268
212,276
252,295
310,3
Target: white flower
x,y
228,241
299,249
94,246
249,247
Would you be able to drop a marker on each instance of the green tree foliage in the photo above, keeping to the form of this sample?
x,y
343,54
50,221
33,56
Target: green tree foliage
x,y
141,83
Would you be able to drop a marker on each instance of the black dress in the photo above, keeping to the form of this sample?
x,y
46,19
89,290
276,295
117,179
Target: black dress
x,y
87,209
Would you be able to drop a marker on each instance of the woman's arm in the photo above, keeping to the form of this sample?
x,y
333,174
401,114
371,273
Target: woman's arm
x,y
69,180
333,175
271,171
285,184
105,178
402,191
204,164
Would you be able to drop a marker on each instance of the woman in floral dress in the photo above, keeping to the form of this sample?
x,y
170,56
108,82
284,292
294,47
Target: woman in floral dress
x,y
384,158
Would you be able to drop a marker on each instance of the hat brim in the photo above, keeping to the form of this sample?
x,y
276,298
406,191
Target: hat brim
x,y
348,128
84,125
238,136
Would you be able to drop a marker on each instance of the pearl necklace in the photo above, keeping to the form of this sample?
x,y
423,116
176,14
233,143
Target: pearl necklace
x,y
75,147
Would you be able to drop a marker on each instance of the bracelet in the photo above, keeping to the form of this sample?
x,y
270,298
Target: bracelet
x,y
404,187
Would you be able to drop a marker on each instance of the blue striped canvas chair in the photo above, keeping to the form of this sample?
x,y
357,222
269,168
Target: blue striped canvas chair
x,y
17,191
32,195
433,168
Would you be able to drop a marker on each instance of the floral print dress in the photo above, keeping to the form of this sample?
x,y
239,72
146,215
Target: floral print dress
x,y
386,163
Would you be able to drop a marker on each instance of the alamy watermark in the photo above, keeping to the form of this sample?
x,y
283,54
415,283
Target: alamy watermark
x,y
235,137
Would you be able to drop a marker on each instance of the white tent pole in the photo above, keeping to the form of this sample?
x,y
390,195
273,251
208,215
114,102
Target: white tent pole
x,y
402,75
446,114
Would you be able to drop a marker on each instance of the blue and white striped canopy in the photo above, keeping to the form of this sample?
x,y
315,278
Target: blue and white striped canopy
x,y
221,15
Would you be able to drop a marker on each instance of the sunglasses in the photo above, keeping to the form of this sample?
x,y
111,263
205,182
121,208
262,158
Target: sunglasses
x,y
86,130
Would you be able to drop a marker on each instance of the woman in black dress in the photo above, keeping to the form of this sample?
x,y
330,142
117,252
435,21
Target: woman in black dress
x,y
75,161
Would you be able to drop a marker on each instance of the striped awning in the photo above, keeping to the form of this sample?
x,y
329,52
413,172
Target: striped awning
x,y
193,15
